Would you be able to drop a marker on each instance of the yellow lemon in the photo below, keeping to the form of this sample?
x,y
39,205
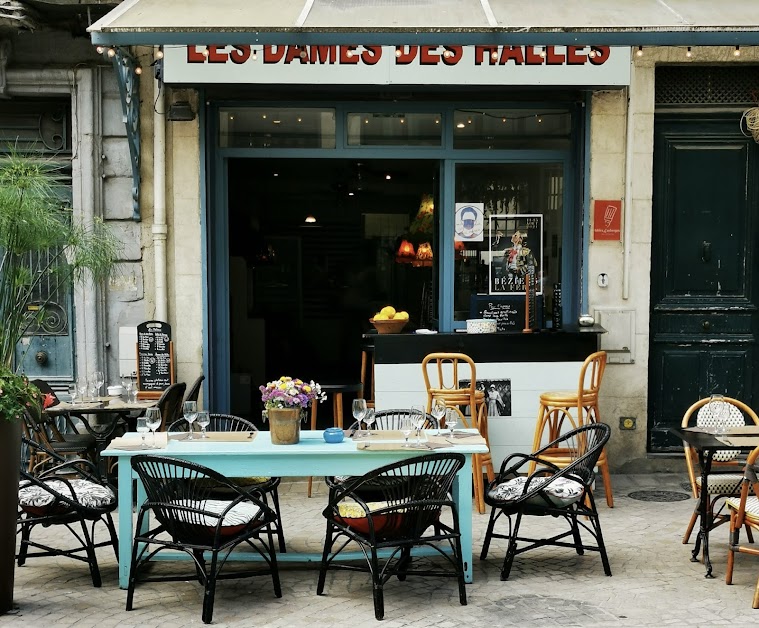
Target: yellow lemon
x,y
388,311
402,316
380,316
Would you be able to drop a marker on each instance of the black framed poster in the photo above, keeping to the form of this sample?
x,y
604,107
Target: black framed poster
x,y
516,250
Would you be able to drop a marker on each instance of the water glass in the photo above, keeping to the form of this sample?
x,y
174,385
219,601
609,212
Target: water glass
x,y
190,411
142,429
359,410
204,420
153,421
406,426
81,388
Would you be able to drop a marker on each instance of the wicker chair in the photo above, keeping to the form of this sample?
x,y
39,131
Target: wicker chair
x,y
188,518
414,493
265,486
726,474
68,494
42,429
193,392
744,511
170,404
550,490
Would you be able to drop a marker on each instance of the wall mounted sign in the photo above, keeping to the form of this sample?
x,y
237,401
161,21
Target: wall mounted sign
x,y
155,358
398,65
469,222
607,220
516,250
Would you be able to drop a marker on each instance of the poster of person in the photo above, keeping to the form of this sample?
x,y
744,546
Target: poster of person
x,y
469,223
516,250
497,395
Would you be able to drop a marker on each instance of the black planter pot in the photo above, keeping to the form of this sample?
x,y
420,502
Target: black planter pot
x,y
10,459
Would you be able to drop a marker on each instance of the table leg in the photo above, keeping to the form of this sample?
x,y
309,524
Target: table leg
x,y
462,496
126,531
705,520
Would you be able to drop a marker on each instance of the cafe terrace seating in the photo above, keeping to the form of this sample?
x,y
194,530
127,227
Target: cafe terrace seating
x,y
414,493
744,511
182,513
568,409
42,429
563,493
68,494
265,486
441,379
726,473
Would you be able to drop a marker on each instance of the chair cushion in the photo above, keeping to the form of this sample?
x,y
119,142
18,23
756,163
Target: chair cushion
x,y
752,506
34,499
353,515
234,521
561,492
722,483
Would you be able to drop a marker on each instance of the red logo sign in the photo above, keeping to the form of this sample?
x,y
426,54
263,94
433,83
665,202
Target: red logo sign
x,y
607,220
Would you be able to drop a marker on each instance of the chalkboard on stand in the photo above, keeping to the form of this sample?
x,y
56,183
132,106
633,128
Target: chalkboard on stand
x,y
155,359
507,311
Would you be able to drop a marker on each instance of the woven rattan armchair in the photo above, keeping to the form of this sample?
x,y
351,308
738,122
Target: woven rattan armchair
x,y
265,486
415,492
70,494
564,493
186,516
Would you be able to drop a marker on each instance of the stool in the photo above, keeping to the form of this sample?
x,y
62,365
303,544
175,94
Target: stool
x,y
366,349
556,407
336,390
446,387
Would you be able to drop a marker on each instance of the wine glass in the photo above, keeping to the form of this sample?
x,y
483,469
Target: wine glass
x,y
451,419
406,426
72,392
153,421
81,388
369,419
92,387
98,378
418,417
438,411
142,429
359,410
190,410
204,420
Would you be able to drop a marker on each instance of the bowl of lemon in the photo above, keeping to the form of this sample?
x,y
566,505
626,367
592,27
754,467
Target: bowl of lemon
x,y
388,321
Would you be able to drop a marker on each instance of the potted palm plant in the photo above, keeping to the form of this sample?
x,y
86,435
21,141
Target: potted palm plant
x,y
34,224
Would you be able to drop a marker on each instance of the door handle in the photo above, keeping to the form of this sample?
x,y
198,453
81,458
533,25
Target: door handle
x,y
706,325
706,252
41,357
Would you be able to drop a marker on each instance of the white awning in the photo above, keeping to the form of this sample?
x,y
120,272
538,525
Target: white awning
x,y
396,22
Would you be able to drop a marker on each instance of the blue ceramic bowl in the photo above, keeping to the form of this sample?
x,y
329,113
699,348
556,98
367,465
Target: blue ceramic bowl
x,y
334,435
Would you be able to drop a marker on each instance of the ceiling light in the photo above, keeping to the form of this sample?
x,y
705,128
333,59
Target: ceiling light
x,y
388,177
460,125
310,219
737,51
688,53
639,51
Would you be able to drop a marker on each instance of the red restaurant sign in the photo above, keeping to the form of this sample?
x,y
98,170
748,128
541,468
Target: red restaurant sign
x,y
607,220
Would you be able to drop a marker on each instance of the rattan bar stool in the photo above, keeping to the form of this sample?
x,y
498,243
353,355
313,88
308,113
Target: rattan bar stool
x,y
441,379
565,410
336,391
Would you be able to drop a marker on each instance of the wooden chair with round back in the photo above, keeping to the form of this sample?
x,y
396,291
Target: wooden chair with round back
x,y
566,410
442,380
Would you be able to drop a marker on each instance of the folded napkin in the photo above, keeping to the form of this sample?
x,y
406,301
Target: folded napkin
x,y
385,446
458,438
228,437
133,441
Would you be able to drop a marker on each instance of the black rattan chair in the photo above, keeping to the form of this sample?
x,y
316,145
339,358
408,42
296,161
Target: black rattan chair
x,y
193,392
265,486
69,494
170,404
42,429
187,517
415,492
550,490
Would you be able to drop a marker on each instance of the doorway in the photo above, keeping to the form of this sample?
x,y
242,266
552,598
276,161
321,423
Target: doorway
x,y
313,255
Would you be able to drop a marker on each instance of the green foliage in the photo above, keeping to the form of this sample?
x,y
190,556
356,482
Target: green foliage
x,y
35,222
16,393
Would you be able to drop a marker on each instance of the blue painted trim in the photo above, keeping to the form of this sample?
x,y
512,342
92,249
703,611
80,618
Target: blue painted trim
x,y
446,253
586,205
748,35
204,247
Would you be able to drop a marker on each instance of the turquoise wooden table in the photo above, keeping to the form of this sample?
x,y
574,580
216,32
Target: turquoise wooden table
x,y
311,456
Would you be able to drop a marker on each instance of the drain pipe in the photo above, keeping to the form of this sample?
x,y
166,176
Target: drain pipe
x,y
627,237
160,228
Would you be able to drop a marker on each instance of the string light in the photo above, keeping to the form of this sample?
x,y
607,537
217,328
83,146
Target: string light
x,y
689,53
159,53
737,51
255,55
639,51
592,54
138,70
99,49
205,52
111,52
397,52
494,55
543,52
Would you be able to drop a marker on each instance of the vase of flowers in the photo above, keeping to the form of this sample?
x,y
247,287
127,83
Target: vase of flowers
x,y
16,395
285,402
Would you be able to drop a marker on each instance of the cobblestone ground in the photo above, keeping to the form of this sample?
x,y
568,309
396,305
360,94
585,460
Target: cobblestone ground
x,y
654,582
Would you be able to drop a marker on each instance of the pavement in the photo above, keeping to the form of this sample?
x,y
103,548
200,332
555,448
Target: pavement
x,y
654,583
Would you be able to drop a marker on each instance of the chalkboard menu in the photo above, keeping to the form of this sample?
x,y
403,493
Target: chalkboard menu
x,y
507,311
155,356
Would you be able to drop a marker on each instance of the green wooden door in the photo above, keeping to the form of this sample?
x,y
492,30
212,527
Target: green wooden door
x,y
704,322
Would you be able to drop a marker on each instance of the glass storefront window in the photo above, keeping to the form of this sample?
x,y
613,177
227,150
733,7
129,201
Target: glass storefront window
x,y
514,227
276,127
394,129
494,129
